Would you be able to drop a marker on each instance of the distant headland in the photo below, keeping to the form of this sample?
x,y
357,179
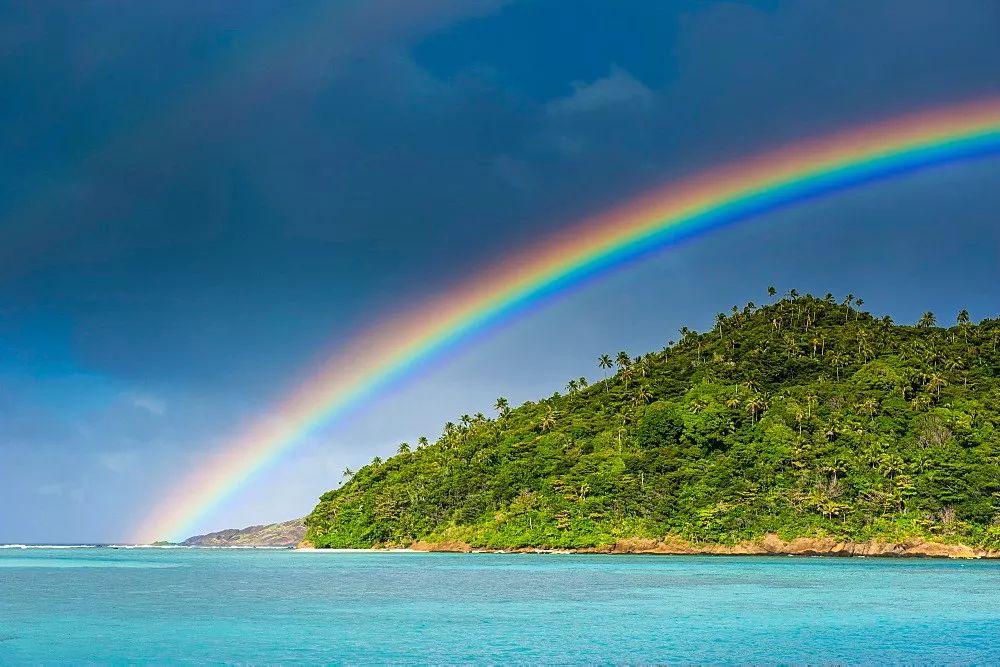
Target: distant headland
x,y
285,534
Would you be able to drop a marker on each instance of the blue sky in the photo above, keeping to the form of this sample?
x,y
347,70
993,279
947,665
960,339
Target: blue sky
x,y
197,198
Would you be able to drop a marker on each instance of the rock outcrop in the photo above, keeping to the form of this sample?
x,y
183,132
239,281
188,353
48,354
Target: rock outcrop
x,y
770,545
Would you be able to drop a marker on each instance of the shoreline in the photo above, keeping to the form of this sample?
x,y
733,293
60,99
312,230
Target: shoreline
x,y
769,545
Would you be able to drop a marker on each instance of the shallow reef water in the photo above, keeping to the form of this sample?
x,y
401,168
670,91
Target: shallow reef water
x,y
265,606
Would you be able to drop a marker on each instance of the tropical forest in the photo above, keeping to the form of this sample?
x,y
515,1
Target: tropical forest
x,y
804,417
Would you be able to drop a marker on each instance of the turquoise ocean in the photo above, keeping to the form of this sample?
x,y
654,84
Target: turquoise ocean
x,y
136,606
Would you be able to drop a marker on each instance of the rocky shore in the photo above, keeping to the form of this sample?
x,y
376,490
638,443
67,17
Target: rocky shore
x,y
770,545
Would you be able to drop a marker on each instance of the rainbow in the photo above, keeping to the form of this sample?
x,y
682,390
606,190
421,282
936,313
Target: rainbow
x,y
383,357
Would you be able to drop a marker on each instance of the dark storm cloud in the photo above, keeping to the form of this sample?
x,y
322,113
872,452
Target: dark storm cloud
x,y
342,181
378,163
198,199
727,77
166,241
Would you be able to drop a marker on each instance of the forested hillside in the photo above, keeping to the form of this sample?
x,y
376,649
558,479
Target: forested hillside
x,y
805,417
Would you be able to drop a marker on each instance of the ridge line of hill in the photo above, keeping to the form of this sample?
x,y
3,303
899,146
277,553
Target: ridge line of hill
x,y
807,418
283,534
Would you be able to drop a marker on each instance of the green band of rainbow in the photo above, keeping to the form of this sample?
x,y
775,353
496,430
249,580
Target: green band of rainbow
x,y
394,351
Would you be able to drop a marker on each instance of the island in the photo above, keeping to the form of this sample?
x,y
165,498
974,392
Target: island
x,y
806,425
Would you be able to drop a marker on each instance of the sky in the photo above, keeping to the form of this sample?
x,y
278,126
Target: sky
x,y
200,200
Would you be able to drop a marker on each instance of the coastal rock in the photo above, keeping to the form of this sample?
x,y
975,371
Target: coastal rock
x,y
446,547
804,546
770,544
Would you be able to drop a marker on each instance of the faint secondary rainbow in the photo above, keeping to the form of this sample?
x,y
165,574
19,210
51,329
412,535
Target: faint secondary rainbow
x,y
391,352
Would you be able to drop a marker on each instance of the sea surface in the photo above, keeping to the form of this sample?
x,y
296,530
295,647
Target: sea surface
x,y
102,605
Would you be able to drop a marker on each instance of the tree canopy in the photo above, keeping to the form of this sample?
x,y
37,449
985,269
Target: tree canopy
x,y
806,417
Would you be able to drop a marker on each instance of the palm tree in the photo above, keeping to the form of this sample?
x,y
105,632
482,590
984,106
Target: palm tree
x,y
571,387
377,461
754,406
771,292
604,362
582,383
642,395
626,374
811,400
858,303
404,448
720,319
963,323
839,361
548,420
864,347
927,320
935,383
502,406
348,473
422,442
623,360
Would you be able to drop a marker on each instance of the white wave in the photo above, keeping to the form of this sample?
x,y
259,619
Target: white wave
x,y
136,546
238,546
50,546
147,546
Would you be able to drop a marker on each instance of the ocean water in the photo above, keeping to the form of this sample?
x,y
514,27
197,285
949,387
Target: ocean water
x,y
262,606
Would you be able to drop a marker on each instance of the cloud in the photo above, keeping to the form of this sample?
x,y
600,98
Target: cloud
x,y
306,52
616,89
51,489
147,402
119,461
60,492
514,171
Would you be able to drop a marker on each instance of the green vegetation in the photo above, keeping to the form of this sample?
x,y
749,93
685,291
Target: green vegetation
x,y
807,417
